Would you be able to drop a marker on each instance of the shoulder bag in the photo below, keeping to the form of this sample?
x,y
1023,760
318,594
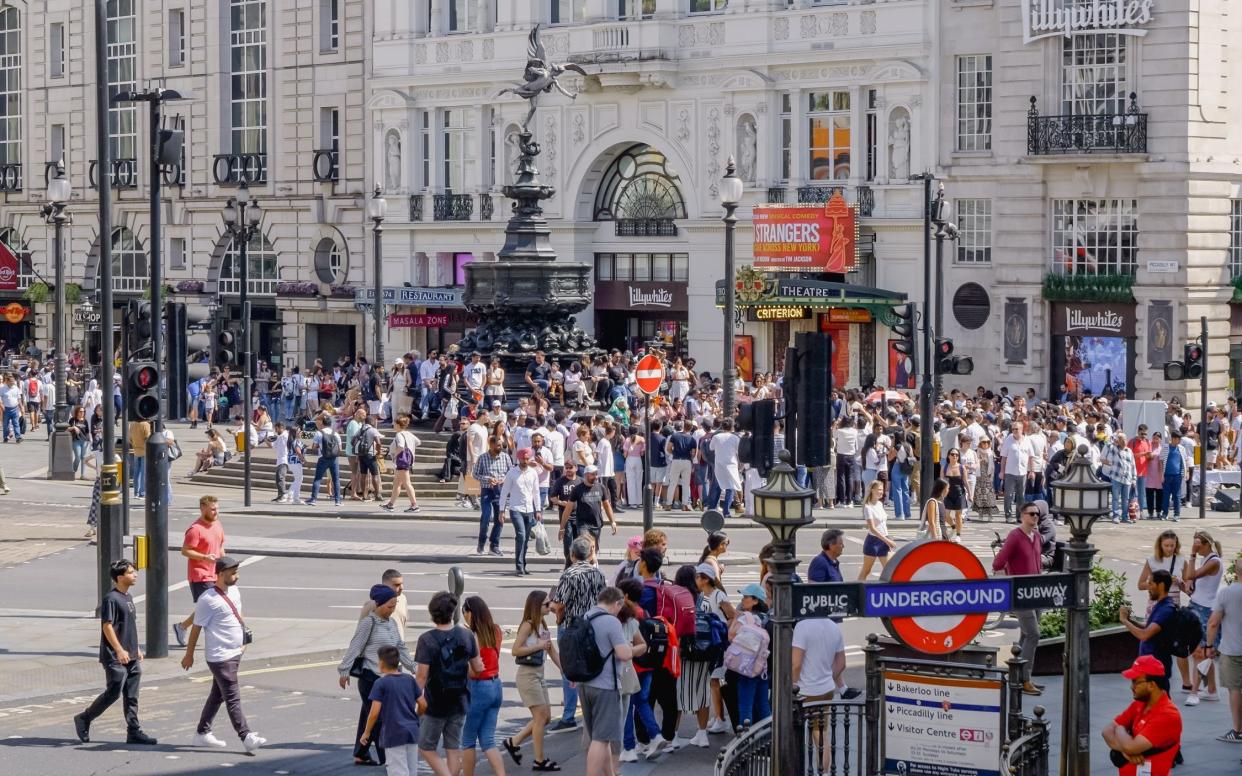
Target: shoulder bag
x,y
924,531
247,634
358,668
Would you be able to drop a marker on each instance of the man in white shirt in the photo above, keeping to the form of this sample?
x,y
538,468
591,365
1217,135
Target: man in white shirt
x,y
519,494
475,373
542,462
1039,459
428,395
847,443
279,442
1016,468
11,401
47,401
818,659
218,613
975,430
554,443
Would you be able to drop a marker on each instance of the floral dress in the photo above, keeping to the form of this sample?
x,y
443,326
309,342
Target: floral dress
x,y
984,502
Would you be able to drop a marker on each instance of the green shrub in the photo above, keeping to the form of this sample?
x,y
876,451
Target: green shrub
x,y
1108,594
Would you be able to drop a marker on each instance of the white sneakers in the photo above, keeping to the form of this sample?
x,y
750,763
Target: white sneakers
x,y
629,756
700,740
678,743
1192,699
252,741
207,739
653,749
717,726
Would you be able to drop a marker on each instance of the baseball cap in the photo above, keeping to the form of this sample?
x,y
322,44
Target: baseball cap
x,y
635,542
592,469
1146,665
706,570
495,403
226,562
755,590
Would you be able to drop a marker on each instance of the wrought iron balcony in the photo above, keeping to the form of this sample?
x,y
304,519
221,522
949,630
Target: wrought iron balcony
x,y
172,175
10,177
864,197
487,207
452,207
1115,133
646,227
776,195
325,165
232,169
124,173
416,207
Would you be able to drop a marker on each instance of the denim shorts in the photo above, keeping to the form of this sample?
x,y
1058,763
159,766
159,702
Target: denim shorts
x,y
480,727
1203,613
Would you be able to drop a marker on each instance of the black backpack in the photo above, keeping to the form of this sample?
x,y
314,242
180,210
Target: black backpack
x,y
655,632
363,444
448,676
329,445
1185,632
581,660
711,636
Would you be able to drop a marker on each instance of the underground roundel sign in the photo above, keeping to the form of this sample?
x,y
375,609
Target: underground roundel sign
x,y
937,597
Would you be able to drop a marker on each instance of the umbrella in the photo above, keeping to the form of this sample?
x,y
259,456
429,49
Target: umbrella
x,y
875,397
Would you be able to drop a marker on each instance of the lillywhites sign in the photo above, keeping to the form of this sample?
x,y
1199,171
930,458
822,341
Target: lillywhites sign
x,y
1107,320
655,297
1046,18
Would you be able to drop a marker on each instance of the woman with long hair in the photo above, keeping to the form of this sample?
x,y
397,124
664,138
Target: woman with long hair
x,y
933,511
81,435
401,453
877,544
574,389
486,691
494,387
717,545
532,647
955,499
1167,555
583,450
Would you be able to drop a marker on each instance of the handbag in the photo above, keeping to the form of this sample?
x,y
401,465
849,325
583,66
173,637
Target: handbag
x,y
924,531
358,668
540,534
629,679
247,634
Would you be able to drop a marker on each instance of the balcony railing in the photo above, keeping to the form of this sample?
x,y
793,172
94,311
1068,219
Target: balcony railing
x,y
776,195
646,227
452,207
232,169
416,207
172,175
325,165
124,173
1116,133
10,177
487,207
259,287
864,197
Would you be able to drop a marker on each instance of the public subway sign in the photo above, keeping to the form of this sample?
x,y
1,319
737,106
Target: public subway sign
x,y
814,238
1046,18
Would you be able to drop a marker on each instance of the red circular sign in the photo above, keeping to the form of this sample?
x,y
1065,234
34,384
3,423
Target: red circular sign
x,y
924,561
649,374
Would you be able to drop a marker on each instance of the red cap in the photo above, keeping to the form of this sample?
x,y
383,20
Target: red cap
x,y
525,454
1146,665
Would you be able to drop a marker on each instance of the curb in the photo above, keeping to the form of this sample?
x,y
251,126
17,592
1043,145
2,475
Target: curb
x,y
441,557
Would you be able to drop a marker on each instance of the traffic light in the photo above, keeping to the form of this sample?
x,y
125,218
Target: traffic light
x,y
758,448
904,328
225,345
188,351
814,384
1190,367
142,390
141,325
949,364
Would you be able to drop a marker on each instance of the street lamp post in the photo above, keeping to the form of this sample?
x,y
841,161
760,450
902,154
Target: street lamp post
x,y
1081,499
926,426
241,220
730,195
376,211
60,451
782,506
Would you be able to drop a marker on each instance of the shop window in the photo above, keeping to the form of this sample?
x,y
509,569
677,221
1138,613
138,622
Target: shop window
x,y
1235,237
974,224
1095,237
974,103
708,6
624,266
828,133
603,266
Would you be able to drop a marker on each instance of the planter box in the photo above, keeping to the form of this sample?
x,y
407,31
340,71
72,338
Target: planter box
x,y
1113,649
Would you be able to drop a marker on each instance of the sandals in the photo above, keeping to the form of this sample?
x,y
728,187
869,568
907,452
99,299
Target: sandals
x,y
365,761
545,765
513,751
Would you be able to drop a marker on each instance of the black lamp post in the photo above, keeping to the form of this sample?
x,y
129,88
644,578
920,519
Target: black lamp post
x,y
60,451
376,211
241,220
730,194
782,506
1081,499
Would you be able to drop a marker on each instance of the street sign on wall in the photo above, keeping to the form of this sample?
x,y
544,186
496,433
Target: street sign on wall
x,y
811,238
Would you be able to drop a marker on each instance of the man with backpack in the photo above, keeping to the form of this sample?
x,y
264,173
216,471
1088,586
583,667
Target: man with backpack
x,y
676,606
590,648
576,592
328,444
445,656
367,442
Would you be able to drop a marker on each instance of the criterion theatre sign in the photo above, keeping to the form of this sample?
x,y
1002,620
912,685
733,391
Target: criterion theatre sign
x,y
1046,18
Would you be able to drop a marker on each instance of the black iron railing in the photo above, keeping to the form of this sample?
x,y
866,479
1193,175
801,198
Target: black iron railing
x,y
864,197
1117,133
646,227
487,206
776,195
452,207
830,740
124,173
1027,755
325,165
10,177
232,169
749,754
172,175
416,207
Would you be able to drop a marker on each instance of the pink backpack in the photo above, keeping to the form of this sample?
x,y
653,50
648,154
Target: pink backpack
x,y
748,652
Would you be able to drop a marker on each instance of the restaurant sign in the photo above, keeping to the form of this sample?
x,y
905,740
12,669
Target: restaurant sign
x,y
814,238
1046,18
412,296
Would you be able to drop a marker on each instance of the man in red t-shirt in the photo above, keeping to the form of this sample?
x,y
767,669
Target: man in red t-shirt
x,y
1150,729
203,543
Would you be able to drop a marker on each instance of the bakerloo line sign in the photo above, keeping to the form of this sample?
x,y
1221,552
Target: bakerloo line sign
x,y
933,596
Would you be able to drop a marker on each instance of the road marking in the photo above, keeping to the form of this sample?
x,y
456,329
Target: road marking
x,y
33,473
186,583
273,670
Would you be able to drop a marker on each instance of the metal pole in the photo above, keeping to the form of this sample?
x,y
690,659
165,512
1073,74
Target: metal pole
x,y
926,426
246,232
648,485
110,537
785,760
1203,402
729,370
60,450
939,323
874,704
127,473
378,307
1076,701
157,446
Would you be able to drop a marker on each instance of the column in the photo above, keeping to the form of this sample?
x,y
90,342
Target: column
x,y
439,17
798,172
858,137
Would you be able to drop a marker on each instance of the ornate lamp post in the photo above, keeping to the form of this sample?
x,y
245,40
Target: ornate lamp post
x,y
782,506
241,220
730,195
1081,499
377,209
60,451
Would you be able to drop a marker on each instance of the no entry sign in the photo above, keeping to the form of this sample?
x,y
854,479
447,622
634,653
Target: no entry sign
x,y
649,374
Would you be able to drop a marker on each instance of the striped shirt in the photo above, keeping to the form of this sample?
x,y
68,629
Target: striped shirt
x,y
371,634
578,588
489,466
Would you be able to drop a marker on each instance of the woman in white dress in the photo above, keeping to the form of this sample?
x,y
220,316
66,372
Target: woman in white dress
x,y
728,476
679,381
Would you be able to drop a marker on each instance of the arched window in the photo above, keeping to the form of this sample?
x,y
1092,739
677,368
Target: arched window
x,y
248,88
10,85
331,264
122,75
25,273
262,261
639,190
129,262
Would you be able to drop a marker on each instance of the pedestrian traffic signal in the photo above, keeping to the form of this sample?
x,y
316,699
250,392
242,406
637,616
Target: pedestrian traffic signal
x,y
188,351
904,328
758,419
949,364
226,355
813,411
142,390
1193,362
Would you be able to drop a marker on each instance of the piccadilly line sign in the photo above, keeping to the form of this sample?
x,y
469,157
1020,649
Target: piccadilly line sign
x,y
1047,18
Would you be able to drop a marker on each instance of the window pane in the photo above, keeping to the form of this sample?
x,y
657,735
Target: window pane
x,y
974,103
1095,237
642,266
974,223
603,266
681,267
624,266
661,268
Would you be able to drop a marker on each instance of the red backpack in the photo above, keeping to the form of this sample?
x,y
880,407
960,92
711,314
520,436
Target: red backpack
x,y
675,604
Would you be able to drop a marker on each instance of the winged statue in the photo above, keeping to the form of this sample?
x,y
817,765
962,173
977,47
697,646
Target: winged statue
x,y
540,75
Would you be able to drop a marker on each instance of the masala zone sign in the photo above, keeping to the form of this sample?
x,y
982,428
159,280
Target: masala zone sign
x,y
1046,18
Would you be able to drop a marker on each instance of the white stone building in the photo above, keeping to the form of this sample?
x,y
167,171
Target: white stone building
x,y
806,95
277,88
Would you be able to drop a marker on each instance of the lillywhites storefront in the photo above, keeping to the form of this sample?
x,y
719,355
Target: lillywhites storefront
x,y
1093,348
628,314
